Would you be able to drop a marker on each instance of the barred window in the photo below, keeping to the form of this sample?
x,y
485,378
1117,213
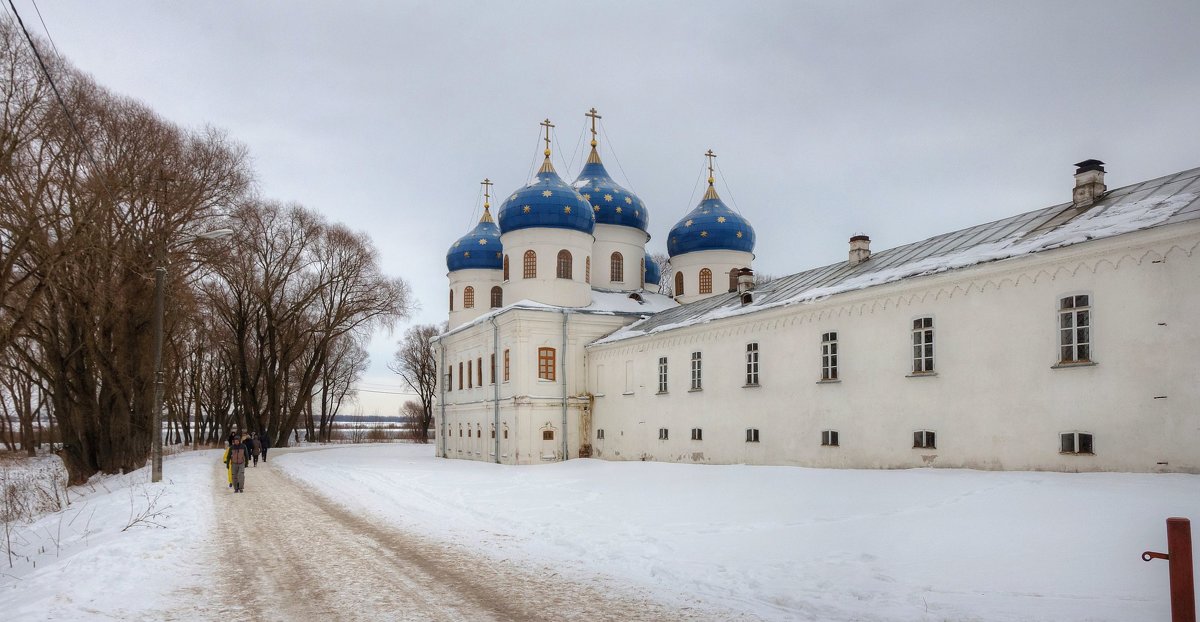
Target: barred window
x,y
662,374
618,268
563,270
546,363
697,372
752,364
678,283
469,297
506,267
1075,329
547,435
530,265
705,281
922,338
587,269
497,297
506,365
829,356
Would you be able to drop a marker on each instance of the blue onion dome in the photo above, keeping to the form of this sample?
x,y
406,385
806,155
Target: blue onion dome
x,y
612,204
479,249
711,226
547,201
652,274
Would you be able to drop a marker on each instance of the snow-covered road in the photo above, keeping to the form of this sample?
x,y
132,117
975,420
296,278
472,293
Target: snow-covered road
x,y
288,553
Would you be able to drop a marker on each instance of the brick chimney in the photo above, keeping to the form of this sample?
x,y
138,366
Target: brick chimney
x,y
1089,183
860,249
745,283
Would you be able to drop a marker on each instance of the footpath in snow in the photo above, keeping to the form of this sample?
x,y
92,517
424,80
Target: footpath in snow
x,y
787,543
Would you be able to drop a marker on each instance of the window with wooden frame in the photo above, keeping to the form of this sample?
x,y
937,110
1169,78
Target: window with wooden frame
x,y
546,363
678,283
506,365
450,379
563,265
469,297
479,371
617,268
733,275
547,435
662,374
460,376
924,439
697,372
530,265
705,281
1075,329
922,339
643,273
587,269
497,297
829,356
451,299
492,368
470,376
752,364
506,267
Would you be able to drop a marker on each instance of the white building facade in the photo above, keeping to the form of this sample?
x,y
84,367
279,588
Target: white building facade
x,y
1066,338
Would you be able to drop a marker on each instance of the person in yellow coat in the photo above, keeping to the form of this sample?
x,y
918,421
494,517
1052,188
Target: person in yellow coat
x,y
236,458
225,459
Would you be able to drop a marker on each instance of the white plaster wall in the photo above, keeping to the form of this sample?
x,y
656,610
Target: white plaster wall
x,y
483,281
547,288
628,241
720,262
996,402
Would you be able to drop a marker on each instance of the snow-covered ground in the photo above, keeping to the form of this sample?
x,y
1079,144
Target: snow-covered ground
x,y
780,543
788,543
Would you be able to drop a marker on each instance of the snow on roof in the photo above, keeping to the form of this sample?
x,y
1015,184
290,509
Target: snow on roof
x,y
1166,200
604,302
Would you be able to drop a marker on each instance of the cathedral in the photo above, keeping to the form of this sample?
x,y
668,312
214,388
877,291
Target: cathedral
x,y
1064,338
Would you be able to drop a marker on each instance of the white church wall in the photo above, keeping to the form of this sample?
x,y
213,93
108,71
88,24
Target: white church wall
x,y
996,399
628,241
546,287
481,281
720,262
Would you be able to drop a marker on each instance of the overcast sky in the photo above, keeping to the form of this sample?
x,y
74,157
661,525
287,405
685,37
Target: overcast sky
x,y
898,120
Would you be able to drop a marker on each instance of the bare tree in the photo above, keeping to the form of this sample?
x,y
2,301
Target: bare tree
x,y
415,363
664,273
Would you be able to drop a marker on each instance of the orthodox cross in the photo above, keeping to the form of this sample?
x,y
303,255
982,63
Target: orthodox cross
x,y
547,124
710,155
487,194
593,116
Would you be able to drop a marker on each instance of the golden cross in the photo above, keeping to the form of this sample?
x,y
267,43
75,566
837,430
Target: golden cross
x,y
593,116
710,155
547,124
487,187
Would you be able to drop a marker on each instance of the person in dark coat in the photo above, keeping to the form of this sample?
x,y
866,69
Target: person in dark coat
x,y
255,447
236,458
266,444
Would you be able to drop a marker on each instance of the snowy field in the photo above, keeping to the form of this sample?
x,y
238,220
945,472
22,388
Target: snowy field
x,y
776,543
787,543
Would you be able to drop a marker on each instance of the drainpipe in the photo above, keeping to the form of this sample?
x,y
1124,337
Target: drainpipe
x,y
495,386
563,366
442,394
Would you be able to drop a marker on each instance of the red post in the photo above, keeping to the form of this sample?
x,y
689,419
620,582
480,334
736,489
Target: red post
x,y
1179,552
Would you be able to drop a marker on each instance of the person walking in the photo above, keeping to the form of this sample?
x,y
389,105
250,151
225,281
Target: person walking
x,y
266,444
255,447
228,467
236,458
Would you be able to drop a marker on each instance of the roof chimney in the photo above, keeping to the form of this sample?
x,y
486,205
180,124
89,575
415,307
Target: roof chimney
x,y
1089,182
860,249
745,283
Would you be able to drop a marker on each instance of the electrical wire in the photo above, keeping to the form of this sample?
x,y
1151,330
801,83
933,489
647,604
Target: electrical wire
x,y
44,28
578,142
608,141
536,152
561,153
694,187
729,190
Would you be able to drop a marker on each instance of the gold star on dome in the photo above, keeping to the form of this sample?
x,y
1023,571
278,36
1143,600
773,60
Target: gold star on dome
x,y
456,244
608,198
546,193
618,209
720,219
739,234
514,195
482,241
596,208
629,200
596,189
688,222
587,197
704,234
497,254
525,209
566,209
467,254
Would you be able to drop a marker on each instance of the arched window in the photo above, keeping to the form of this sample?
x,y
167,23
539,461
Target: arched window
x,y
587,269
643,285
678,283
469,297
733,280
506,267
497,297
705,281
618,268
530,265
452,299
563,269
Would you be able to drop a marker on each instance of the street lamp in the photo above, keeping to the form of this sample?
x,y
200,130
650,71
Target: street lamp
x,y
160,275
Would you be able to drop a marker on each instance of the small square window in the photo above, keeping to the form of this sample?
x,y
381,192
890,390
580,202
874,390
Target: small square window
x,y
751,435
829,438
663,434
924,439
547,435
1077,443
697,434
600,434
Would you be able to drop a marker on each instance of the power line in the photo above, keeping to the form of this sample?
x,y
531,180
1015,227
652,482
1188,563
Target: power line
x,y
609,142
44,28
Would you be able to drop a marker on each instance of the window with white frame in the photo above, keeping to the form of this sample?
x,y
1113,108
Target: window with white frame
x,y
829,438
662,374
752,364
1076,443
1075,329
600,434
751,435
663,434
697,372
697,434
922,339
829,356
924,439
